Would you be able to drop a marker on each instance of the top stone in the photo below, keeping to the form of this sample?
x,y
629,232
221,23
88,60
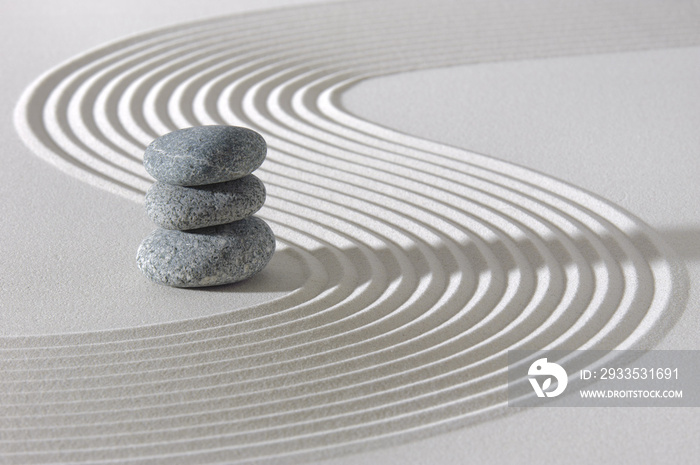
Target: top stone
x,y
204,155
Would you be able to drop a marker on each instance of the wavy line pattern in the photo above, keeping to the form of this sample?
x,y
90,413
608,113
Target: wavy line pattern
x,y
423,264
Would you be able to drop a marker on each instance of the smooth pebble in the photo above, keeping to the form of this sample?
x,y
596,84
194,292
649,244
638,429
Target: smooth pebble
x,y
204,155
207,257
179,207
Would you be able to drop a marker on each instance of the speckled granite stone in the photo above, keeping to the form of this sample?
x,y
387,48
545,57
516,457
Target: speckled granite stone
x,y
208,256
204,155
179,207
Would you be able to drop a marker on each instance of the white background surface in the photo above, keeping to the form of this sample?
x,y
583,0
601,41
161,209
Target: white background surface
x,y
623,126
620,125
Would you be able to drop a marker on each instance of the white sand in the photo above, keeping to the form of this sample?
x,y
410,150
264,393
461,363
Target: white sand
x,y
367,308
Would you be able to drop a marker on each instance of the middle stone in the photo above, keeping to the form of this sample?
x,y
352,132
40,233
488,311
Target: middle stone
x,y
183,208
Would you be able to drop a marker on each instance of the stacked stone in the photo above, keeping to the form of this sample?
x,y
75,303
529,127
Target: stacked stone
x,y
203,202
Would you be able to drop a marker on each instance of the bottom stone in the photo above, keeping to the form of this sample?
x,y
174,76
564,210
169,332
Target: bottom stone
x,y
208,256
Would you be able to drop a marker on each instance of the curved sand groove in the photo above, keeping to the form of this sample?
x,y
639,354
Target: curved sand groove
x,y
422,264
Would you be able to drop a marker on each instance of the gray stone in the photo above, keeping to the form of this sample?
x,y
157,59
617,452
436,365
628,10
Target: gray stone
x,y
179,207
208,256
204,155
